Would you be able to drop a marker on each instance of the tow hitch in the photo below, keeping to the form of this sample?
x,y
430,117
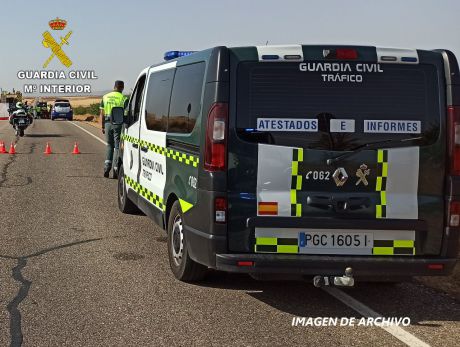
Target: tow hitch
x,y
346,280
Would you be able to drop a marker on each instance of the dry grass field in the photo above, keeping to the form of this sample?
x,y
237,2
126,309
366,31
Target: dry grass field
x,y
74,100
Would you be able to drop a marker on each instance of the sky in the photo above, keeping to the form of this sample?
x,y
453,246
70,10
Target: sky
x,y
117,39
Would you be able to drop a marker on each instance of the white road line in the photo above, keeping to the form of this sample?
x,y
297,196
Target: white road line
x,y
89,133
398,332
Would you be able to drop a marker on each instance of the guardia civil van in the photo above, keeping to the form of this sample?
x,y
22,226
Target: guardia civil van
x,y
305,160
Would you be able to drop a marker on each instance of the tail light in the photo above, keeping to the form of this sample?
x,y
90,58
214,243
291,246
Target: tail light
x,y
341,54
216,138
453,114
454,213
245,263
220,208
435,266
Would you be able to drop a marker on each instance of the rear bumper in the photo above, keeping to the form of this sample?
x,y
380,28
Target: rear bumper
x,y
334,265
62,116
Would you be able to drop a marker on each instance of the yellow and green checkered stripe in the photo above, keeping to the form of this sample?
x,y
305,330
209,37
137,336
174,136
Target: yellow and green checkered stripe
x,y
181,157
296,182
145,193
152,147
130,139
393,247
381,183
276,245
291,245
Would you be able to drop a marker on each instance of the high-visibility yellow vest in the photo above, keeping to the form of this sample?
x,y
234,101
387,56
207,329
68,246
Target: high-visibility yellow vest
x,y
111,100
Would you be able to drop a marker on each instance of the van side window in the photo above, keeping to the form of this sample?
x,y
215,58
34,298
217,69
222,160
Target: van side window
x,y
136,100
186,98
157,101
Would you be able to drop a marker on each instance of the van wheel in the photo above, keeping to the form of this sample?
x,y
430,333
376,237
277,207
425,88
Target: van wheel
x,y
182,266
124,204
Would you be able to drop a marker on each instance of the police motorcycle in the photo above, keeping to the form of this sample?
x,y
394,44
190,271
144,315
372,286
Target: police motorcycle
x,y
20,119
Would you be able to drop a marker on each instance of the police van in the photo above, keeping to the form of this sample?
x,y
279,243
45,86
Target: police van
x,y
300,160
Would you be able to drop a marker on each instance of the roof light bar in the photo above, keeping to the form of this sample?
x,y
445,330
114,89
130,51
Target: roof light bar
x,y
292,57
388,58
177,54
409,59
270,57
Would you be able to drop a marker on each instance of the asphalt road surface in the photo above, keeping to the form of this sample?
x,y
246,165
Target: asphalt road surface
x,y
74,271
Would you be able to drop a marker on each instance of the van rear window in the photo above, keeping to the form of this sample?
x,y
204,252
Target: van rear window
x,y
289,104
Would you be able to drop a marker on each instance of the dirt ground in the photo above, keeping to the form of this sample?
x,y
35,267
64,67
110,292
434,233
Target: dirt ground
x,y
74,100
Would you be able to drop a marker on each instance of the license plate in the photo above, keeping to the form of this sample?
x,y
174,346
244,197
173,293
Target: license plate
x,y
335,242
22,121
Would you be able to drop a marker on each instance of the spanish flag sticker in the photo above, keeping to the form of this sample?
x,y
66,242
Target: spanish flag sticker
x,y
268,209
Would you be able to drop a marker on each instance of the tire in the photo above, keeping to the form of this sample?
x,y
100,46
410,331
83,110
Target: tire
x,y
21,132
124,203
182,266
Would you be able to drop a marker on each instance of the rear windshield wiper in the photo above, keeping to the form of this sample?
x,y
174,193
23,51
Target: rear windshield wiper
x,y
369,145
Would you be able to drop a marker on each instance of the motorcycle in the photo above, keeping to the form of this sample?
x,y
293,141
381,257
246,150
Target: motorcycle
x,y
20,120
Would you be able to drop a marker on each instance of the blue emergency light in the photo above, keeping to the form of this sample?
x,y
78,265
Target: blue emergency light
x,y
177,54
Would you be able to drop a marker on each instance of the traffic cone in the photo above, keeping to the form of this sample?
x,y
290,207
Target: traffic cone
x,y
75,149
47,148
12,148
2,148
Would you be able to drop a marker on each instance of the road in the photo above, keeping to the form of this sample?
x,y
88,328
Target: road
x,y
74,271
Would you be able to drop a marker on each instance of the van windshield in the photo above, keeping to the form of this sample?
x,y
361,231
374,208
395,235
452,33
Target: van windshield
x,y
335,107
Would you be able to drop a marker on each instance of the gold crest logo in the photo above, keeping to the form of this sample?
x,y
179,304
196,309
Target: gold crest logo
x,y
56,48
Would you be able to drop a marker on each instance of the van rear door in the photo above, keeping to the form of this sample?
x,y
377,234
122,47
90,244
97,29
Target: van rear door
x,y
338,156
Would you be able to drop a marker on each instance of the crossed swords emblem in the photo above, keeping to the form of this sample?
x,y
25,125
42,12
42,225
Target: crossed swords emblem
x,y
56,48
361,173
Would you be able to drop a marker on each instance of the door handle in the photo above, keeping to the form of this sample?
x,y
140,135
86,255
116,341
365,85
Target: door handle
x,y
135,145
144,149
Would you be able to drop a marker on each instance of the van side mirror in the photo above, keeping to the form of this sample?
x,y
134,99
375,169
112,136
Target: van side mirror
x,y
118,116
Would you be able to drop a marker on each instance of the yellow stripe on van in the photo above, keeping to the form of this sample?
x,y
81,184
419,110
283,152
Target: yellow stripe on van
x,y
403,243
383,251
296,182
378,211
287,249
293,196
379,184
384,169
380,156
266,241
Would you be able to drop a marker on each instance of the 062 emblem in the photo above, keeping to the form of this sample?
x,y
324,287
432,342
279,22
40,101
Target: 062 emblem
x,y
318,175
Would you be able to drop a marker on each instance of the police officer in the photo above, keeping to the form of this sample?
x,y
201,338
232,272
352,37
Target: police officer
x,y
112,131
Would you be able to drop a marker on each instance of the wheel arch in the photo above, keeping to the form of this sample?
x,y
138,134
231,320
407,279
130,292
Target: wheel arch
x,y
172,198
